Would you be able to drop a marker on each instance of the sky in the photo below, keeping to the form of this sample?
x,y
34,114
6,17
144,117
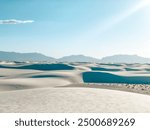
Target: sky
x,y
58,28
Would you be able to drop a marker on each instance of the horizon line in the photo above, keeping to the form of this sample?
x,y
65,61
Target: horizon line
x,y
74,54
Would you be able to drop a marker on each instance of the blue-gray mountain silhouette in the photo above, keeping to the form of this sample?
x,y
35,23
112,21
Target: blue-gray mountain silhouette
x,y
125,59
78,58
13,56
20,57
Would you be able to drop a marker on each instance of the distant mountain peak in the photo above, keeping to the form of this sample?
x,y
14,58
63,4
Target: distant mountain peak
x,y
16,56
78,58
124,58
35,56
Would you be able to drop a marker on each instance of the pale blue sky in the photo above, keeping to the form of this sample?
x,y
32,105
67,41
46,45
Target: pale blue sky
x,y
62,27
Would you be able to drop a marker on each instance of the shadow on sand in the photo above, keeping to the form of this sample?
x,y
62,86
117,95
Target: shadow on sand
x,y
118,65
131,69
46,76
104,69
147,69
100,77
42,67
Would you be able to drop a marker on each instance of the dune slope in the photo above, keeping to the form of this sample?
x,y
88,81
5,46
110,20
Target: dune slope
x,y
74,87
73,100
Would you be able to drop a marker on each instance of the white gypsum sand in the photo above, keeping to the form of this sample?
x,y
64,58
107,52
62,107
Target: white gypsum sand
x,y
76,87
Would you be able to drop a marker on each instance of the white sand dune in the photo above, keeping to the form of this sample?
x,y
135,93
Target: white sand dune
x,y
75,87
73,100
39,80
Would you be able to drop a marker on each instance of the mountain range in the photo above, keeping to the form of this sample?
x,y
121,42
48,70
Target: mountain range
x,y
14,56
78,58
125,59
